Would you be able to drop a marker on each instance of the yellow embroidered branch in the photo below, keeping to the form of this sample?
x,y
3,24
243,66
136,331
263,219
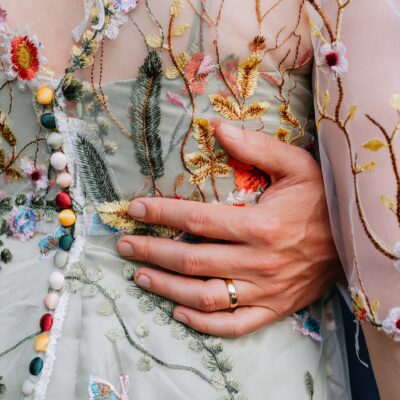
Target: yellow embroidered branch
x,y
191,96
389,141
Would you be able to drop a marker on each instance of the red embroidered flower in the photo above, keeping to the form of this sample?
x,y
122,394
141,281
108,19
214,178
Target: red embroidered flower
x,y
24,57
246,176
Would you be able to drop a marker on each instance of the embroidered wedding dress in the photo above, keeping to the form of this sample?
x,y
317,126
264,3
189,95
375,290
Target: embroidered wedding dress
x,y
74,149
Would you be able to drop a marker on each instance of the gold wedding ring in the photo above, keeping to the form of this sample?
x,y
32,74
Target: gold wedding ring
x,y
233,299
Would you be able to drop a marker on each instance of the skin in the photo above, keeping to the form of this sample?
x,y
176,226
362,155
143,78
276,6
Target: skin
x,y
279,253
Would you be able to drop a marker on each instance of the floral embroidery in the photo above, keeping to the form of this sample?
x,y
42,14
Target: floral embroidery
x,y
307,325
391,325
242,198
37,174
99,389
332,59
22,57
22,223
126,6
247,177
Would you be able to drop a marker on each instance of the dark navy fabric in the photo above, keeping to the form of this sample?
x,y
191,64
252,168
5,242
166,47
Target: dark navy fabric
x,y
362,380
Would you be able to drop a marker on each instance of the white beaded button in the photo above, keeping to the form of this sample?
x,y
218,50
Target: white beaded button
x,y
64,180
28,387
55,140
56,280
61,259
58,160
51,301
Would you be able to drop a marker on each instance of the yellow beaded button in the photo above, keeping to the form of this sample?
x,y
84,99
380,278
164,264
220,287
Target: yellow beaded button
x,y
41,342
67,217
45,95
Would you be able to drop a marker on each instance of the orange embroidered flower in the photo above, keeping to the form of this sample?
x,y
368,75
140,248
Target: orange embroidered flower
x,y
246,176
24,57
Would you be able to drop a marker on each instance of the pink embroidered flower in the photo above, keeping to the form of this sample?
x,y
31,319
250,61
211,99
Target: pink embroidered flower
x,y
197,71
22,223
332,60
37,174
391,325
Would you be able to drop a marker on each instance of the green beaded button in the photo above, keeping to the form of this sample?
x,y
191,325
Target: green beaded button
x,y
66,242
36,366
48,120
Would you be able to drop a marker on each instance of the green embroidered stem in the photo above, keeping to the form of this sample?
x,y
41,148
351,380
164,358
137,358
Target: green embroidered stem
x,y
146,117
129,338
3,389
9,350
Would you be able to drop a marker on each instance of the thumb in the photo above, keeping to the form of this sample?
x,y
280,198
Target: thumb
x,y
268,154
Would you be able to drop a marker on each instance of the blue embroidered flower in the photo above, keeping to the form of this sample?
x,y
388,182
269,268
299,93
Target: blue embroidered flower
x,y
125,6
22,223
307,325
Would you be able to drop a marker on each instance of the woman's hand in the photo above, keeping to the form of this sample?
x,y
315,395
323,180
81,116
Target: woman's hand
x,y
279,253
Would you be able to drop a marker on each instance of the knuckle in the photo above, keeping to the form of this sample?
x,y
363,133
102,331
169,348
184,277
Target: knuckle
x,y
237,330
208,302
145,250
196,222
190,263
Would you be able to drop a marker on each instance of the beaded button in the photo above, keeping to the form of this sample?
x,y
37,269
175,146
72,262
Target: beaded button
x,y
56,280
67,217
48,120
46,322
58,160
36,366
66,242
45,95
41,342
63,200
64,180
51,301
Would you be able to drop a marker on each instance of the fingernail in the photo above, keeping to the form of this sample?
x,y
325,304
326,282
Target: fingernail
x,y
232,132
143,281
137,209
125,249
181,318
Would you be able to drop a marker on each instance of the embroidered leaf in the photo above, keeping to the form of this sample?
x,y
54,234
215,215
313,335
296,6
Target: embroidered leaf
x,y
172,73
176,8
3,389
283,134
352,111
255,110
161,318
227,107
269,78
176,100
203,133
218,380
247,76
287,117
7,134
209,362
114,335
179,331
95,171
196,345
368,166
146,116
105,308
326,99
309,383
144,364
129,270
180,30
216,345
116,216
388,203
197,160
143,329
225,363
154,41
146,305
374,144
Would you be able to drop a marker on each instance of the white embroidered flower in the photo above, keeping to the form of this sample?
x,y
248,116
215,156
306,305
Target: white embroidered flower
x,y
332,60
37,174
391,325
117,19
242,198
125,6
396,251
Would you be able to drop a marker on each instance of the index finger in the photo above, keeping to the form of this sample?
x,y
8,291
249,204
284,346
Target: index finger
x,y
217,221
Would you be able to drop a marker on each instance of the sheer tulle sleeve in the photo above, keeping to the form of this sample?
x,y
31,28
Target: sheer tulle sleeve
x,y
357,102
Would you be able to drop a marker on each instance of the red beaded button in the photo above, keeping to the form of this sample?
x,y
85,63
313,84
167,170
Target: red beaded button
x,y
46,322
398,324
63,200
